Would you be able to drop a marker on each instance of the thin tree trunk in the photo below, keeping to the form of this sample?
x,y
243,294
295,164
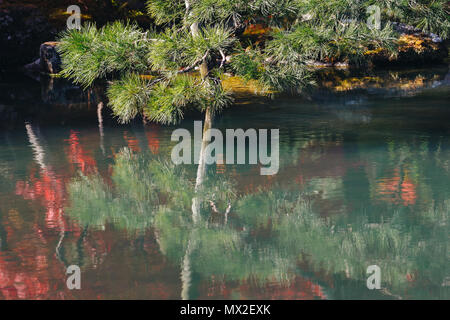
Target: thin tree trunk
x,y
204,66
100,126
186,268
40,158
201,169
38,150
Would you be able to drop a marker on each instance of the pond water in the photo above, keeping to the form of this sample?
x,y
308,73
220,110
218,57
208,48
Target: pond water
x,y
364,179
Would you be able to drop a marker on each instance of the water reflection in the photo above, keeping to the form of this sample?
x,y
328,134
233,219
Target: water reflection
x,y
363,179
268,234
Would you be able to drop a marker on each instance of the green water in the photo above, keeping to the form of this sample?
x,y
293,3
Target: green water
x,y
363,180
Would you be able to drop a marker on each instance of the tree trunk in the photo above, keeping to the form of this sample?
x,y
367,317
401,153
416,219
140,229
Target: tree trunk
x,y
186,268
40,158
201,169
204,66
100,126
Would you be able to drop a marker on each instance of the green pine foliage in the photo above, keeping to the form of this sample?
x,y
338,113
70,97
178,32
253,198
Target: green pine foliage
x,y
128,95
93,53
164,101
427,15
207,35
164,11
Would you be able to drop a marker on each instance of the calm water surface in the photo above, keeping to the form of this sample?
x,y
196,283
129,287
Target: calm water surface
x,y
364,180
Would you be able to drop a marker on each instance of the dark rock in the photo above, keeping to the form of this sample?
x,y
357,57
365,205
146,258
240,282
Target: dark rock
x,y
49,58
49,61
34,66
413,48
404,29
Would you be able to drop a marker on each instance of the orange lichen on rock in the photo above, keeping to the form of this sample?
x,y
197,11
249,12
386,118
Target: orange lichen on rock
x,y
146,76
416,43
374,52
256,29
239,86
412,48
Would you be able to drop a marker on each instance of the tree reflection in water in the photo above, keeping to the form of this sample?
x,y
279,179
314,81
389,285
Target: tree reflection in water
x,y
363,180
268,236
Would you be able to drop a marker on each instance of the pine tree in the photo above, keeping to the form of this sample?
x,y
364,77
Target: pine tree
x,y
207,35
154,74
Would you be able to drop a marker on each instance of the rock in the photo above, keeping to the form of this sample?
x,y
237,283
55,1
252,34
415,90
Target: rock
x,y
34,66
404,29
413,48
342,64
323,64
50,59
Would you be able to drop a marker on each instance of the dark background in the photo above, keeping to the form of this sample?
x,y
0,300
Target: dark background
x,y
24,25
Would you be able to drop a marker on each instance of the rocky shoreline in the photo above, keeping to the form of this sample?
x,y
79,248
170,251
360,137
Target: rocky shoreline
x,y
27,24
29,31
